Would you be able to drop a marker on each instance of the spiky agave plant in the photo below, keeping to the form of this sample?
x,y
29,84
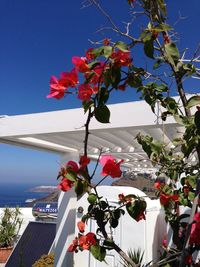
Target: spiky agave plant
x,y
136,255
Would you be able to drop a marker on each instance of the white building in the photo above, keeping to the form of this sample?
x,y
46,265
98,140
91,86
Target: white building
x,y
62,132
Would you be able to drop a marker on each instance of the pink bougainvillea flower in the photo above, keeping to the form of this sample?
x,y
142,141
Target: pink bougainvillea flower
x,y
65,185
89,54
80,64
88,240
105,158
85,92
73,246
72,165
84,161
121,58
57,89
195,231
141,216
70,79
110,166
81,226
164,241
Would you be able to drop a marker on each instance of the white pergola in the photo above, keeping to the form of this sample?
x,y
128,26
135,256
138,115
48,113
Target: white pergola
x,y
62,132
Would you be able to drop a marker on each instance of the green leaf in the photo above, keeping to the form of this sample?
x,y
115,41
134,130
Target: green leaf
x,y
193,101
92,198
191,196
80,187
102,114
149,48
162,7
157,64
87,105
197,119
122,46
115,76
103,96
172,52
192,180
134,81
114,223
98,252
107,51
107,77
162,27
71,176
98,51
103,204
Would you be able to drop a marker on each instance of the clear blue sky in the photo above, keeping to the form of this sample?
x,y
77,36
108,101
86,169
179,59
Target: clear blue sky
x,y
38,39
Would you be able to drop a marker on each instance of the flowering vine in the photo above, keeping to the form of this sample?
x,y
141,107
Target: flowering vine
x,y
93,78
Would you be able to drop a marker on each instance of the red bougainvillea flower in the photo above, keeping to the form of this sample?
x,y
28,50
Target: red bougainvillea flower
x,y
65,185
88,240
106,41
80,64
84,161
84,92
95,74
121,58
81,226
89,54
141,216
157,185
121,197
72,165
110,166
70,79
57,89
122,87
195,231
164,199
73,246
175,197
166,38
188,259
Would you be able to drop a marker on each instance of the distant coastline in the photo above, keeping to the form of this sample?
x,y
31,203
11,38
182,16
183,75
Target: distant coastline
x,y
43,189
12,195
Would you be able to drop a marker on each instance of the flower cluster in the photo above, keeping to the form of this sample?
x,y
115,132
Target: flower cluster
x,y
82,242
93,71
110,166
69,173
166,195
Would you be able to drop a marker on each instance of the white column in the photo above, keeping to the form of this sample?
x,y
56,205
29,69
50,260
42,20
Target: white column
x,y
65,231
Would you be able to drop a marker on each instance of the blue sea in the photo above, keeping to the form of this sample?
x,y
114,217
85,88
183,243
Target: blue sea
x,y
12,195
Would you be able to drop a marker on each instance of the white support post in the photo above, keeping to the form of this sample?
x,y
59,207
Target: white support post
x,y
66,222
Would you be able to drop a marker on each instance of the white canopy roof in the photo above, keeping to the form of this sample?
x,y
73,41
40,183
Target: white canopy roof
x,y
63,131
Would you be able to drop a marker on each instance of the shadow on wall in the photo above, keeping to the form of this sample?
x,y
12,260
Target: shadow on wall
x,y
160,231
65,229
